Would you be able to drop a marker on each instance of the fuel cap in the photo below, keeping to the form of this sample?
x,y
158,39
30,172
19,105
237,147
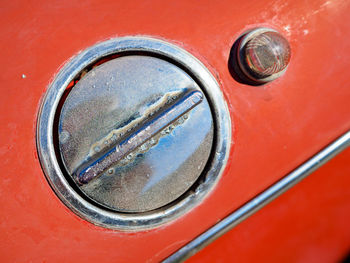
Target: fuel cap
x,y
133,132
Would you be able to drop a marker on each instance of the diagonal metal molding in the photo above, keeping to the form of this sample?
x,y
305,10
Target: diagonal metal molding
x,y
261,200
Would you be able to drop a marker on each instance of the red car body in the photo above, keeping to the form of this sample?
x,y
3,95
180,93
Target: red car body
x,y
275,128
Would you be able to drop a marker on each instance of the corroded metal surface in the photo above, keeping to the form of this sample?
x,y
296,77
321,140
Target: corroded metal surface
x,y
99,162
195,121
135,133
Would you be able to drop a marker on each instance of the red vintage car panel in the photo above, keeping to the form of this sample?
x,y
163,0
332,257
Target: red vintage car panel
x,y
275,128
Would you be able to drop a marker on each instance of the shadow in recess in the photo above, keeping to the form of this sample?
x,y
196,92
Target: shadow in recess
x,y
234,68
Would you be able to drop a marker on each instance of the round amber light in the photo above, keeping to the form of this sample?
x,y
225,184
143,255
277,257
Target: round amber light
x,y
264,55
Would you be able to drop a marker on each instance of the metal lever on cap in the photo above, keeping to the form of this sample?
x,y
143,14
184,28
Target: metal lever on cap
x,y
96,166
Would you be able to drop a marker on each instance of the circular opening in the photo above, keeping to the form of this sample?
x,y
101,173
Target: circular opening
x,y
48,121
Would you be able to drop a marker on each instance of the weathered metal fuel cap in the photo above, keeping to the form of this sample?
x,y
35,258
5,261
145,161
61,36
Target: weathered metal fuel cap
x,y
133,132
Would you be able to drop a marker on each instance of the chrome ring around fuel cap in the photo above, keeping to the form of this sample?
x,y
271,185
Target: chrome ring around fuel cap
x,y
105,215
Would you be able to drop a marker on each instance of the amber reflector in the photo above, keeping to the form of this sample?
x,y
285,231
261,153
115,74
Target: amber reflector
x,y
264,56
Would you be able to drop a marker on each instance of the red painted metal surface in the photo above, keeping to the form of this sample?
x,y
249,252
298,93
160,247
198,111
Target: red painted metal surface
x,y
309,223
276,126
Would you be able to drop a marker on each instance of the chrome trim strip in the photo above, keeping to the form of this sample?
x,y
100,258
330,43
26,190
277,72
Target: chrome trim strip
x,y
261,200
